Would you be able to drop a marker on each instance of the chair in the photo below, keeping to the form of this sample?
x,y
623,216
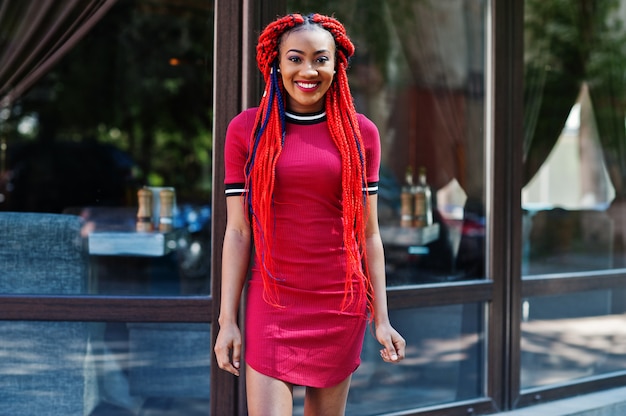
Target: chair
x,y
42,364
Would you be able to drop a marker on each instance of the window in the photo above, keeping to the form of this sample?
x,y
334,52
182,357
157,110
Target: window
x,y
129,107
572,209
100,316
424,87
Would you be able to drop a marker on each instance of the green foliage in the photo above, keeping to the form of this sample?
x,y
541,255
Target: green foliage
x,y
141,80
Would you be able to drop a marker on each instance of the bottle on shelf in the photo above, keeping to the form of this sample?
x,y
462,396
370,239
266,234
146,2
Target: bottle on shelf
x,y
423,211
166,215
407,199
144,213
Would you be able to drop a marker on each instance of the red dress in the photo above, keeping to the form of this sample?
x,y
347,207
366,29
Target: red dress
x,y
308,341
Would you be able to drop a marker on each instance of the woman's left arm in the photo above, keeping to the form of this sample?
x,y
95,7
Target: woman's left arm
x,y
392,342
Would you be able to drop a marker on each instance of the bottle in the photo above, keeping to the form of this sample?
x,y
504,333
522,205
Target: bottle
x,y
144,214
166,213
407,199
423,211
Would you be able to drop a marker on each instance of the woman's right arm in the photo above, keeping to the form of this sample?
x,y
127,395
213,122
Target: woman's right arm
x,y
235,262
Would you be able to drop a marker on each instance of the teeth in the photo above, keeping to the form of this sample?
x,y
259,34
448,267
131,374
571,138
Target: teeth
x,y
307,85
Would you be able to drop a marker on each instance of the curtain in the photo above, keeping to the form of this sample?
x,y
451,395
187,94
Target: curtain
x,y
569,46
555,61
607,85
35,34
442,46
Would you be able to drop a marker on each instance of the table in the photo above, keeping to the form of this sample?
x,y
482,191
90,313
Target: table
x,y
409,237
137,263
132,243
406,249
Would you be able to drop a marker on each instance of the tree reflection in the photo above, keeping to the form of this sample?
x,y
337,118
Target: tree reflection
x,y
140,82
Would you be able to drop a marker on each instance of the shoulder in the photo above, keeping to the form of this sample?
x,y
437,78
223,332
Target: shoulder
x,y
240,127
367,127
244,119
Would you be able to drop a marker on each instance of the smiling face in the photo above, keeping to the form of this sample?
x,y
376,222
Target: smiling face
x,y
307,65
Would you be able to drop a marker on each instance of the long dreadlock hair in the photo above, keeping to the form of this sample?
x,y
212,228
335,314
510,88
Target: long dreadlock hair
x,y
267,142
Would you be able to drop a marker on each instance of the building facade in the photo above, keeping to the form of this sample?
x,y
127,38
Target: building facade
x,y
512,111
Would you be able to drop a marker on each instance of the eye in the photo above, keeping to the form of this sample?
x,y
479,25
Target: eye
x,y
294,59
323,59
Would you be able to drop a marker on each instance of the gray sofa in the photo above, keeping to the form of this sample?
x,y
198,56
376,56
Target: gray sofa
x,y
43,364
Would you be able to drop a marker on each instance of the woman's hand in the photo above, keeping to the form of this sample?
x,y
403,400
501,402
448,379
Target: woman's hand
x,y
393,343
228,348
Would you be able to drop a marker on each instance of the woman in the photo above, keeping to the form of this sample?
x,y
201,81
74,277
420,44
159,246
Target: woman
x,y
301,180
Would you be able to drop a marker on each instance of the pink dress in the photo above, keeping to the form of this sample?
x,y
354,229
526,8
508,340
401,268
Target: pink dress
x,y
310,341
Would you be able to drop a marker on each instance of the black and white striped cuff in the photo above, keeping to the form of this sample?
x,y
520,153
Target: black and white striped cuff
x,y
371,188
235,189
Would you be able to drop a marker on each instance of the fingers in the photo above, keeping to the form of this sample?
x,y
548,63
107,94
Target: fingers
x,y
400,346
388,356
394,347
389,353
237,357
222,356
226,361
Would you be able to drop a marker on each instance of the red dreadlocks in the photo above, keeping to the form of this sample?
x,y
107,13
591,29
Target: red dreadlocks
x,y
266,146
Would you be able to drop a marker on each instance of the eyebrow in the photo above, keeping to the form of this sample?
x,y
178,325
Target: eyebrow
x,y
302,52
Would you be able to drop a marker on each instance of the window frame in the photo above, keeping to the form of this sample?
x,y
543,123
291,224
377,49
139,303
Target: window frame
x,y
237,24
494,292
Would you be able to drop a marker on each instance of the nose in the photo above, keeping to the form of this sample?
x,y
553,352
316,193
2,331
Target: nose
x,y
309,71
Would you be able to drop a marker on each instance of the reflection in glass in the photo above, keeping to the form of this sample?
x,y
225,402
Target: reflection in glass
x,y
125,262
55,254
444,363
572,336
568,228
128,106
42,254
574,137
41,363
423,86
100,369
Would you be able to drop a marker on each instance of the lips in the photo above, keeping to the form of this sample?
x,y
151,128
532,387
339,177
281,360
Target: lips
x,y
307,86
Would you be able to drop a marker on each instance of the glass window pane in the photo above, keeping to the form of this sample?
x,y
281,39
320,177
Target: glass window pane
x,y
423,86
128,109
574,135
572,336
44,253
99,369
444,363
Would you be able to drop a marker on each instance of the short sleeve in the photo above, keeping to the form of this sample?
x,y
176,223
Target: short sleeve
x,y
236,152
371,141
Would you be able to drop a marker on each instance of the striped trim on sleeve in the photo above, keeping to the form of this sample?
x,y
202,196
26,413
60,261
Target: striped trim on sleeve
x,y
235,189
371,188
238,189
